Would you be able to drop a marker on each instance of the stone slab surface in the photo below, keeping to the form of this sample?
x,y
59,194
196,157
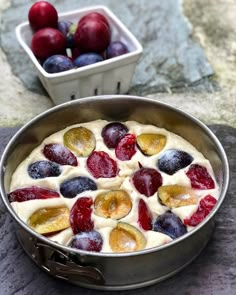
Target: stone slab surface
x,y
214,26
173,61
212,273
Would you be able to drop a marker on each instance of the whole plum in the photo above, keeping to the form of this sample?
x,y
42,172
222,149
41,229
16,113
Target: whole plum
x,y
169,224
87,59
64,26
173,160
92,36
57,63
88,241
47,42
67,28
95,16
70,188
43,169
42,14
116,48
112,133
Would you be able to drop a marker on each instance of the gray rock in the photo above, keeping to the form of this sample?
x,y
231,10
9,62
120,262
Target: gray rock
x,y
171,58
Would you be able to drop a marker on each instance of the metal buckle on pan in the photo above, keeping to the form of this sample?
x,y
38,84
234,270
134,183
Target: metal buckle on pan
x,y
61,266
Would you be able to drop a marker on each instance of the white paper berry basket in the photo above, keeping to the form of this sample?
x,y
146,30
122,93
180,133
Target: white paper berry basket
x,y
111,76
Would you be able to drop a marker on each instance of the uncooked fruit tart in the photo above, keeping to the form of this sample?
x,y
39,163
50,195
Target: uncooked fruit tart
x,y
113,187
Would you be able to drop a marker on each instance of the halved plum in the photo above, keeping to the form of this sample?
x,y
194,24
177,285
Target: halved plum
x,y
113,204
126,238
80,140
80,215
49,220
31,193
174,196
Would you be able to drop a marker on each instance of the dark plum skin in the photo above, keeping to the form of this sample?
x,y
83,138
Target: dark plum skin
x,y
80,215
173,160
31,193
126,147
43,169
70,188
112,133
144,216
100,164
57,63
147,181
63,27
169,224
116,48
75,53
59,154
70,42
87,59
87,241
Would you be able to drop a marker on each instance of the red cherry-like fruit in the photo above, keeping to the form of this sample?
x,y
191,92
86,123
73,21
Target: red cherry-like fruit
x,y
47,42
92,36
59,154
205,206
100,164
88,241
112,133
147,181
80,215
199,177
125,148
31,193
42,14
144,216
95,16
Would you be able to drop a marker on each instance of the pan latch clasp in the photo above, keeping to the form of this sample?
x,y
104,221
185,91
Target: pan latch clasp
x,y
61,265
